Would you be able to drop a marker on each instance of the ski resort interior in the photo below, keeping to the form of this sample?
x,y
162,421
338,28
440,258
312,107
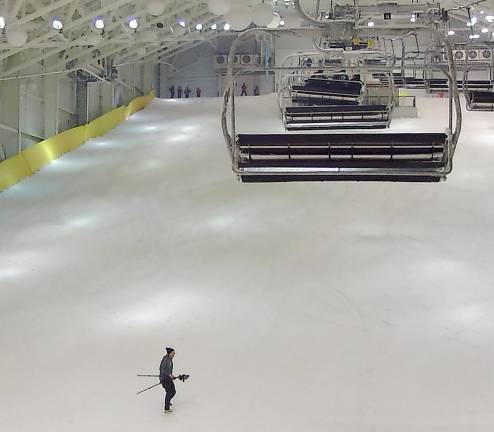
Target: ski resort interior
x,y
294,195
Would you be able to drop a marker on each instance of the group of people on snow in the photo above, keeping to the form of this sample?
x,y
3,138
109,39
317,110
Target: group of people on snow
x,y
187,92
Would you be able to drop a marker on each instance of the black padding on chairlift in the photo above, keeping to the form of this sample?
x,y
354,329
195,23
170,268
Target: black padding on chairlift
x,y
311,101
361,139
352,109
479,96
285,178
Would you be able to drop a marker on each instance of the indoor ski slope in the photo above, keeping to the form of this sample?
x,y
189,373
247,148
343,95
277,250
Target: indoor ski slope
x,y
315,307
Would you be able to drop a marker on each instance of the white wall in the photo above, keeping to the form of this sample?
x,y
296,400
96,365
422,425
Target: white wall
x,y
43,106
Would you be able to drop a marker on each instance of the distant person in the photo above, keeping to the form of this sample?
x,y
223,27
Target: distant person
x,y
244,90
172,91
187,91
198,92
167,377
179,92
256,91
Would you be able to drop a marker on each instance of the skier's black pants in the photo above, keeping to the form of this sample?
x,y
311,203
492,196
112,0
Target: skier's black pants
x,y
169,387
244,93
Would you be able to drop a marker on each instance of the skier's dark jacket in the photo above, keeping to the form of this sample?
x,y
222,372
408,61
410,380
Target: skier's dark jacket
x,y
166,368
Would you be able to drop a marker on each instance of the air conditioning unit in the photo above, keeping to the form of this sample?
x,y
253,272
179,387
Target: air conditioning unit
x,y
249,59
221,61
474,55
459,55
485,55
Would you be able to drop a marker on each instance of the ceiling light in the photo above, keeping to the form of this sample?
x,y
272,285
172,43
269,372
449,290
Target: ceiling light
x,y
133,23
474,20
282,23
451,32
371,24
181,23
474,36
489,18
481,12
57,24
214,26
199,27
226,27
485,30
2,22
413,18
99,23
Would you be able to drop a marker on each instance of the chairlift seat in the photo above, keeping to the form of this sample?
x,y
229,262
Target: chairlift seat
x,y
337,117
404,157
311,101
330,87
479,100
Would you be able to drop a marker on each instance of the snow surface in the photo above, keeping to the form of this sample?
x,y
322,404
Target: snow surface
x,y
348,307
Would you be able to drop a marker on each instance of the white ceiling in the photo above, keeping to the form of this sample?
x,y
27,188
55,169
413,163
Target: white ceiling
x,y
56,50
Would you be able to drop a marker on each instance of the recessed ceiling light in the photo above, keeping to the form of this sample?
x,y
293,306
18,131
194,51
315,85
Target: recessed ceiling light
x,y
99,23
226,27
199,27
371,24
451,32
214,26
133,23
57,24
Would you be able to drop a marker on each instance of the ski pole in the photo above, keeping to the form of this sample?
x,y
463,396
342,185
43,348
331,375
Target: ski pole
x,y
152,376
149,388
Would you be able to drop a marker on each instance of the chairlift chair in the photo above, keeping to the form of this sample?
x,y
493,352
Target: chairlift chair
x,y
359,156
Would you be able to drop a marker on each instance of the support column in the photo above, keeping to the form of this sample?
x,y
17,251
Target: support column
x,y
10,112
81,102
107,99
157,80
50,88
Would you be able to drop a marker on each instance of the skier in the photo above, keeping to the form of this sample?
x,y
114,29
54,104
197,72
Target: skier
x,y
179,92
187,91
256,91
198,92
244,90
167,377
172,91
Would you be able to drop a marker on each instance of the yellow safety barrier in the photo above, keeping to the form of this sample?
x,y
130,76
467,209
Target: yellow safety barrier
x,y
18,167
42,153
13,170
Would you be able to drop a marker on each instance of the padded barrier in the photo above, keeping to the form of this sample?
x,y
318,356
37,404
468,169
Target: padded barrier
x,y
31,160
42,153
13,170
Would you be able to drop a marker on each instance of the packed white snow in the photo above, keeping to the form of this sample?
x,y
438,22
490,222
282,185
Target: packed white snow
x,y
349,307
